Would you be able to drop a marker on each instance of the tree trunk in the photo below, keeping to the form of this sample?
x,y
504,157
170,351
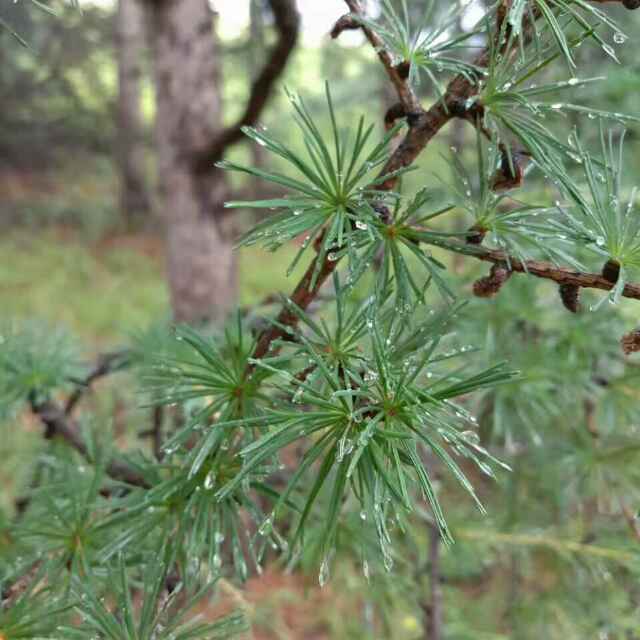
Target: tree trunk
x,y
130,29
201,265
256,55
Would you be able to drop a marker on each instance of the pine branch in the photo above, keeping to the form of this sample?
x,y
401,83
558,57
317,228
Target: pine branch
x,y
537,268
423,126
287,23
399,79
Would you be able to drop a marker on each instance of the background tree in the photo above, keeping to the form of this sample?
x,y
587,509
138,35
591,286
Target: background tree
x,y
191,139
131,34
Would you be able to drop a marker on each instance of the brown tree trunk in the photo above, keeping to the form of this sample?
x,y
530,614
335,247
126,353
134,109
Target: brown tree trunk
x,y
130,29
256,55
201,266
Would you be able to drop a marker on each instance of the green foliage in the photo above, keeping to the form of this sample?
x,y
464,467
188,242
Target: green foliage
x,y
428,48
158,617
558,15
510,224
604,218
35,613
332,194
34,360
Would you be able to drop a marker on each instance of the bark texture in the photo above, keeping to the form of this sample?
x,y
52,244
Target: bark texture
x,y
191,138
135,204
200,262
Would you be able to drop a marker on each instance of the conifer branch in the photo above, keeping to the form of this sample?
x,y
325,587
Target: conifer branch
x,y
395,72
537,268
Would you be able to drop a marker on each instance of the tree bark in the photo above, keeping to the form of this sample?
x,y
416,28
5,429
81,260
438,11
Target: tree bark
x,y
130,35
200,262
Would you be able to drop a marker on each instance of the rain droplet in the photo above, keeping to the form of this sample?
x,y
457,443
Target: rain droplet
x,y
209,481
323,576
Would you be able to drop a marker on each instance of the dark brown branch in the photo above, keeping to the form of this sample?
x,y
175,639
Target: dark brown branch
x,y
58,424
287,23
303,295
538,268
345,23
106,364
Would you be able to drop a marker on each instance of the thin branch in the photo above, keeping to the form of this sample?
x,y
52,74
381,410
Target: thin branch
x,y
13,591
287,23
302,296
537,268
632,521
59,424
106,364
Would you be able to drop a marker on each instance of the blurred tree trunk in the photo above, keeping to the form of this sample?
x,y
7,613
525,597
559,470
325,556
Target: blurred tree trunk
x,y
256,55
201,265
130,35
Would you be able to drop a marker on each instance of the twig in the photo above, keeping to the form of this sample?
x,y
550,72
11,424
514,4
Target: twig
x,y
107,363
287,23
632,521
60,424
12,592
537,268
423,126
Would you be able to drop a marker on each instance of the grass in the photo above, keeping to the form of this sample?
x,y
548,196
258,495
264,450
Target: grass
x,y
103,291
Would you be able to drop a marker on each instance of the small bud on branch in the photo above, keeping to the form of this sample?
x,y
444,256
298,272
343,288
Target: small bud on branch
x,y
490,285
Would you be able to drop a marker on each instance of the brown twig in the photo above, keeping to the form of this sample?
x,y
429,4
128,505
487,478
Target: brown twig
x,y
287,23
106,364
632,521
13,591
59,424
537,268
